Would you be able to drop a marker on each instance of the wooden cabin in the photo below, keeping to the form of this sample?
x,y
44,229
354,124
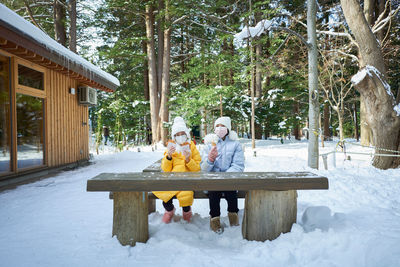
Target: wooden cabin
x,y
45,92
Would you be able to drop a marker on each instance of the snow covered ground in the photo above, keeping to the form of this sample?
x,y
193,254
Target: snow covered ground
x,y
55,222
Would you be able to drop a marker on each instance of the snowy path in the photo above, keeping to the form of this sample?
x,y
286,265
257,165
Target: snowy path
x,y
55,222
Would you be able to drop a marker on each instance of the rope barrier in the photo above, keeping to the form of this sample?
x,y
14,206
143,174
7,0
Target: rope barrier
x,y
342,145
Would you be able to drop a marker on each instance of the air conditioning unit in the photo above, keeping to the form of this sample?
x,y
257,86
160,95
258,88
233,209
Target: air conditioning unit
x,y
87,95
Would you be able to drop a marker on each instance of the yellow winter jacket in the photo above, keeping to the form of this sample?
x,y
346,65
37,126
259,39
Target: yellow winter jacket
x,y
178,164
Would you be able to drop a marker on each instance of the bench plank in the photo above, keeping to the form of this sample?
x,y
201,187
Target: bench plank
x,y
198,181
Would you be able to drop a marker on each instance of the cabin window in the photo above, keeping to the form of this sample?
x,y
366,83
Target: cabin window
x,y
5,121
30,77
30,130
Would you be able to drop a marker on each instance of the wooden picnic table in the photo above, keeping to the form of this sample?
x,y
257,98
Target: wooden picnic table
x,y
270,205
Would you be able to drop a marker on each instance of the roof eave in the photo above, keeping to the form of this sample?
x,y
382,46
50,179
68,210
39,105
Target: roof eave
x,y
14,35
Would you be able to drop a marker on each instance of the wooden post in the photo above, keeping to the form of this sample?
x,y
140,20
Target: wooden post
x,y
267,214
152,205
130,222
325,159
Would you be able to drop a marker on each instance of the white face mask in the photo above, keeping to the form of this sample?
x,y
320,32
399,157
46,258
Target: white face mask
x,y
181,139
221,131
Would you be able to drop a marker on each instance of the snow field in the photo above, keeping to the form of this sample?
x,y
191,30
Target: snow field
x,y
55,222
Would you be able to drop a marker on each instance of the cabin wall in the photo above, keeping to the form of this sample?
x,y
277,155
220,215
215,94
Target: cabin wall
x,y
66,123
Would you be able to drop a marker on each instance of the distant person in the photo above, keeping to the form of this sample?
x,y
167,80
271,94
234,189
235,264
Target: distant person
x,y
181,156
223,153
106,134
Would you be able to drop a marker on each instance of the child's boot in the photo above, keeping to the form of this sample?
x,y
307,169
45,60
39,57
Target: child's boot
x,y
215,225
187,215
168,216
233,218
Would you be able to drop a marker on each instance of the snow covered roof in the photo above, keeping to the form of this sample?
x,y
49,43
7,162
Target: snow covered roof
x,y
21,32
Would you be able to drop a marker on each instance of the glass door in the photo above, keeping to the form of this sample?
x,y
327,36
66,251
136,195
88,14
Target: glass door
x,y
5,121
30,131
30,105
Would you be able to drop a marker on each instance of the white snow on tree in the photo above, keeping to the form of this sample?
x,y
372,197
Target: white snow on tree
x,y
248,32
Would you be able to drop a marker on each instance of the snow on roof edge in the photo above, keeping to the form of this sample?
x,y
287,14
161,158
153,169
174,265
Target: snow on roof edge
x,y
19,23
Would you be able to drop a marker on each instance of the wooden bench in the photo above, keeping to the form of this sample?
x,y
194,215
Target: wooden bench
x,y
270,200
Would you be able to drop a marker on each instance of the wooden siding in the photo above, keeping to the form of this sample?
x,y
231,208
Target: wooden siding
x,y
67,122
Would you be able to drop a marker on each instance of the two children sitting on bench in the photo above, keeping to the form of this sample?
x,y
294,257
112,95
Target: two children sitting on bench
x,y
222,153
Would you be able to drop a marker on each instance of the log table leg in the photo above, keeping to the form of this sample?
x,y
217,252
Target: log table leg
x,y
267,214
130,221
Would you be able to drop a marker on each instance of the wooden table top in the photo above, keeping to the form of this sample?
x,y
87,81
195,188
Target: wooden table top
x,y
195,181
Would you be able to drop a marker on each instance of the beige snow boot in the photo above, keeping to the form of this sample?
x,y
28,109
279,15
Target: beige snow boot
x,y
215,225
233,218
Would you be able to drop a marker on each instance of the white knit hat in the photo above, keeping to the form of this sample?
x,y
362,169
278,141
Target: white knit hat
x,y
227,122
179,126
224,121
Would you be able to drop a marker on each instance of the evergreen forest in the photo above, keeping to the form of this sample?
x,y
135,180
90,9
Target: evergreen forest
x,y
183,58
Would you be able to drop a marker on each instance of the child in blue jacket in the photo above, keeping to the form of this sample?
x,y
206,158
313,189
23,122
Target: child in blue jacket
x,y
223,153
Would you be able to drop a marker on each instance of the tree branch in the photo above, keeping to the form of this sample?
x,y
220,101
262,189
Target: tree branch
x,y
31,15
179,19
304,41
381,24
211,27
343,53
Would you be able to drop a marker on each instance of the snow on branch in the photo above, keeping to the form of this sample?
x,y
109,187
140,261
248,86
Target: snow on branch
x,y
381,23
251,32
260,28
370,70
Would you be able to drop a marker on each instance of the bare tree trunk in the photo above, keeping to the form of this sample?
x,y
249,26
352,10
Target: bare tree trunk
x,y
379,104
159,64
357,135
322,136
369,48
381,9
160,49
340,119
366,132
313,99
152,73
327,134
231,73
296,108
182,48
145,73
258,71
72,28
59,27
253,105
221,110
204,122
384,120
165,81
369,11
258,87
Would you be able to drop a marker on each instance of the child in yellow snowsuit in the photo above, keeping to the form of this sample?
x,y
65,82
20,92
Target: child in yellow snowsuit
x,y
181,156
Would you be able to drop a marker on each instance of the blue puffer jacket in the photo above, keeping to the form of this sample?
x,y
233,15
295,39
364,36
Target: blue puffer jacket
x,y
230,157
